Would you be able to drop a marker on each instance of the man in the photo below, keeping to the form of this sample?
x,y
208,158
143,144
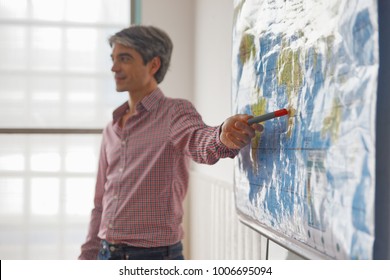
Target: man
x,y
143,167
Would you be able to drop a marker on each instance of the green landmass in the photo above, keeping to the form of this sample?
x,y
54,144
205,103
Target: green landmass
x,y
331,123
247,48
289,75
289,69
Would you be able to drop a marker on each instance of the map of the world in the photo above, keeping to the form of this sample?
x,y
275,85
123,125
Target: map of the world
x,y
309,177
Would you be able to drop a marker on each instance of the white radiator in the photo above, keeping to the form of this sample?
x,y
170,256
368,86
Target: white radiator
x,y
213,229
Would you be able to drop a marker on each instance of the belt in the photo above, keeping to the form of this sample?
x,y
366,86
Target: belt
x,y
124,247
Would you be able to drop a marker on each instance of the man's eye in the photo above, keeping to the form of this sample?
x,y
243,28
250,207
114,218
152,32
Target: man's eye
x,y
125,59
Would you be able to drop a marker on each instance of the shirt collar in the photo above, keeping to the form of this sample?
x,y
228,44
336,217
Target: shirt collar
x,y
151,100
147,103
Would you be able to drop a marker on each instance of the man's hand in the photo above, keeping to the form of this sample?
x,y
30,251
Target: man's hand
x,y
236,133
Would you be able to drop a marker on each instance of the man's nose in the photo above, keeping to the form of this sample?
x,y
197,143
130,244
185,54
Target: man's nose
x,y
115,67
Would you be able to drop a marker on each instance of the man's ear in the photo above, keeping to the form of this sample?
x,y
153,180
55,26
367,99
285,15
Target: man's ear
x,y
155,64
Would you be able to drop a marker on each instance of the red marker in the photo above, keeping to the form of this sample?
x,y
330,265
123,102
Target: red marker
x,y
268,116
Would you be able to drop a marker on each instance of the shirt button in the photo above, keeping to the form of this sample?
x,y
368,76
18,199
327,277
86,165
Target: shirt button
x,y
110,225
121,169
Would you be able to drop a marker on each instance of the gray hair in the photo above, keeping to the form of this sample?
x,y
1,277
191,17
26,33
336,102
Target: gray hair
x,y
149,42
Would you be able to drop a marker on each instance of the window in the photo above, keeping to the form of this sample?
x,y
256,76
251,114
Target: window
x,y
56,94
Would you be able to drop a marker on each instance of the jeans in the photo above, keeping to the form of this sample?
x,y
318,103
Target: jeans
x,y
124,252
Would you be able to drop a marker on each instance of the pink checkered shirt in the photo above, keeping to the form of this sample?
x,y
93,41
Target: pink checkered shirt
x,y
143,173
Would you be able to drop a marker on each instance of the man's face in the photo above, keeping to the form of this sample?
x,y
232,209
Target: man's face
x,y
131,74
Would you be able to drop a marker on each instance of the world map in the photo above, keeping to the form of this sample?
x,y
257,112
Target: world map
x,y
309,177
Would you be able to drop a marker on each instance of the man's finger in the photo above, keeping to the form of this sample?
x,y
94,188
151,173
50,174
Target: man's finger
x,y
240,135
245,128
236,141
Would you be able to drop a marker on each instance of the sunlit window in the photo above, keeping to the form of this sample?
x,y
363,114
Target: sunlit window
x,y
11,196
48,46
54,74
45,196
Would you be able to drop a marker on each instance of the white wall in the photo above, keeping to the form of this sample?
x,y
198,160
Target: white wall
x,y
176,17
212,77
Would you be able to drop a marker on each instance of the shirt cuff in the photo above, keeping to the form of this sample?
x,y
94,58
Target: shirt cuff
x,y
221,149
